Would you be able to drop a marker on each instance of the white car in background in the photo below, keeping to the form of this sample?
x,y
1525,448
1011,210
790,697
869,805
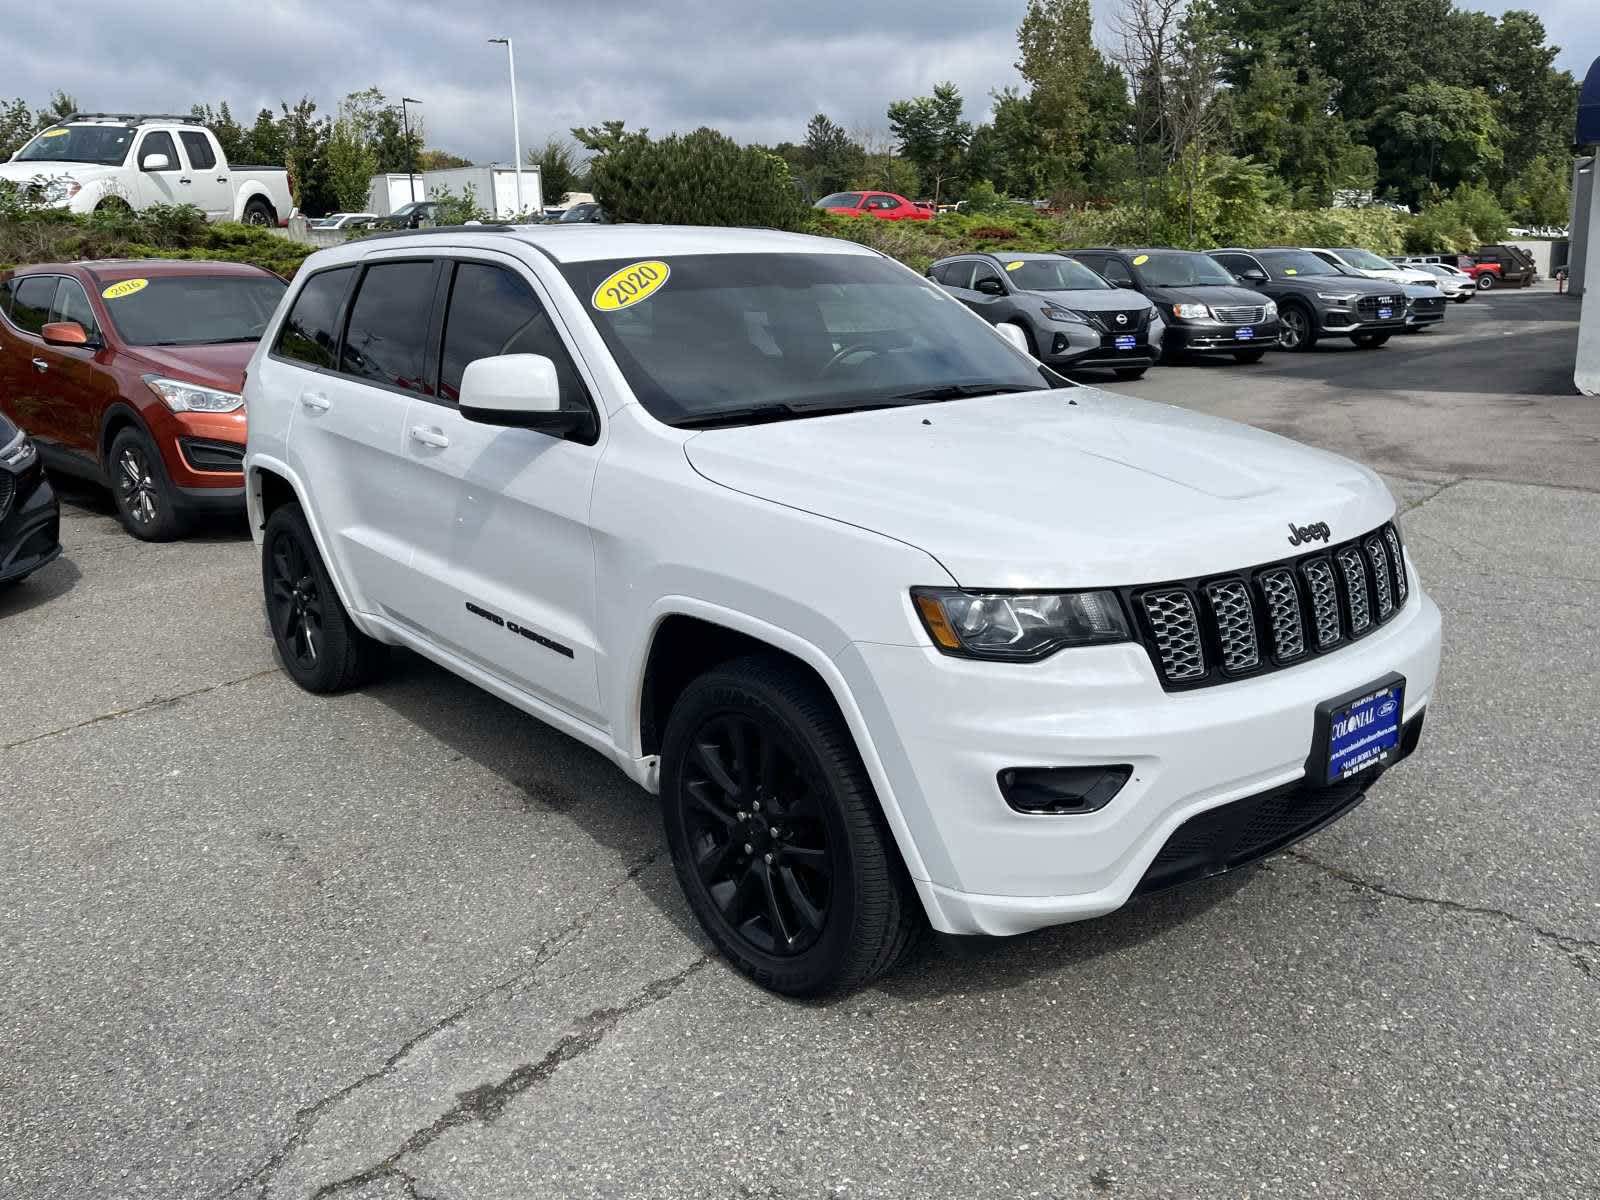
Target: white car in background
x,y
1355,261
1456,285
98,161
901,626
343,220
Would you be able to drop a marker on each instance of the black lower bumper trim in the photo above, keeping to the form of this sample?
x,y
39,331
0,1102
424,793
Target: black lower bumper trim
x,y
1247,830
230,499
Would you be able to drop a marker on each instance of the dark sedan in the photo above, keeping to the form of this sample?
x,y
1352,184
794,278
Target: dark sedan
x,y
30,518
1204,308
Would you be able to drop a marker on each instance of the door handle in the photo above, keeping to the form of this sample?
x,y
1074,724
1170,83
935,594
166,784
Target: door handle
x,y
184,179
429,436
222,179
315,401
40,365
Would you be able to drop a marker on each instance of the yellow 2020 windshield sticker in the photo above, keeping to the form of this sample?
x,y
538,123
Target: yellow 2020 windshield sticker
x,y
126,288
635,282
1012,266
1141,260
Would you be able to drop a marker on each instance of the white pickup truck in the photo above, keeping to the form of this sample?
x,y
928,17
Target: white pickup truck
x,y
96,161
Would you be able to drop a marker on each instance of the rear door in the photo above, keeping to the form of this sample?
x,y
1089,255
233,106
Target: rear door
x,y
210,187
504,558
31,398
346,431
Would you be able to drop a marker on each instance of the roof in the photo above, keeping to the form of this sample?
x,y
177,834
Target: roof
x,y
1006,255
1127,250
111,270
578,242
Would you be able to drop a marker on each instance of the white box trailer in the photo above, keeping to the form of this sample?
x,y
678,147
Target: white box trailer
x,y
493,187
389,192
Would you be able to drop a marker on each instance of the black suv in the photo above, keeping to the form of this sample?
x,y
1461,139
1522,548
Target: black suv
x,y
1316,300
30,519
1204,308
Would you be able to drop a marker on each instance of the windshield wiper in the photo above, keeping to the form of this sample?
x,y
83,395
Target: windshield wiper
x,y
760,414
960,391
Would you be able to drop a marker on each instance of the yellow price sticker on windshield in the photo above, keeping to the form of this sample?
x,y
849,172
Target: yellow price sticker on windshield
x,y
635,282
1141,260
1291,271
126,288
55,133
1012,266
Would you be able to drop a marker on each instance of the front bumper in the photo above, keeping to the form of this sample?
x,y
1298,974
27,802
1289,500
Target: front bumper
x,y
944,729
193,445
1071,346
30,534
1216,338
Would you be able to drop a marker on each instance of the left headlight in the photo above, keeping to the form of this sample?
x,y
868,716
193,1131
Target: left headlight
x,y
191,397
1270,310
1018,626
1191,312
19,453
57,190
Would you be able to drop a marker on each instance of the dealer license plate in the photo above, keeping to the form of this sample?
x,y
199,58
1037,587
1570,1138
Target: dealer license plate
x,y
1244,334
1364,732
1385,313
1126,341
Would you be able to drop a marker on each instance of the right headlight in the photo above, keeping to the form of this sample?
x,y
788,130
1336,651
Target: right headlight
x,y
1018,626
1191,312
1338,297
191,397
1270,310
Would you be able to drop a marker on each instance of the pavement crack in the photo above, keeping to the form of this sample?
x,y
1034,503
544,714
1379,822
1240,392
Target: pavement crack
x,y
486,1103
1583,952
142,706
306,1118
1431,496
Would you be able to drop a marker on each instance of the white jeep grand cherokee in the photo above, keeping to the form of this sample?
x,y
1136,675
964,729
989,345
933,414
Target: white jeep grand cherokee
x,y
896,621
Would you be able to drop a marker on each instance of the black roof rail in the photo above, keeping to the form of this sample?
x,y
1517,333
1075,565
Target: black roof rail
x,y
394,233
135,118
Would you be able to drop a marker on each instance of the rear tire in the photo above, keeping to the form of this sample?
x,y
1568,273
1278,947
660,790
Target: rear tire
x,y
145,498
808,896
1371,341
320,647
1129,372
1248,356
259,212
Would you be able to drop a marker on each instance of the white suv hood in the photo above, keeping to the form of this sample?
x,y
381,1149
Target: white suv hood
x,y
1034,490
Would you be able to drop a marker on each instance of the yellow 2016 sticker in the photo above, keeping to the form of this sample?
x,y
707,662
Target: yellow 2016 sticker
x,y
1141,260
55,133
1012,266
635,282
126,288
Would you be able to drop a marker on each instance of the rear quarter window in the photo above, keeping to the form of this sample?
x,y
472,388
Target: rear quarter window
x,y
310,333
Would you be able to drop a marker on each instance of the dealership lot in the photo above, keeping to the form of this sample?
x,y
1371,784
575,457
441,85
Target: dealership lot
x,y
410,942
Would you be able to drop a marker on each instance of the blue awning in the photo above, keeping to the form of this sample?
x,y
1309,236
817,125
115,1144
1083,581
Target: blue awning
x,y
1589,108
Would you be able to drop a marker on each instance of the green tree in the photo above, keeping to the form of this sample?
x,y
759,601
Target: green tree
x,y
1057,58
1541,194
434,159
351,164
17,125
1434,135
559,169
829,157
932,134
701,178
265,141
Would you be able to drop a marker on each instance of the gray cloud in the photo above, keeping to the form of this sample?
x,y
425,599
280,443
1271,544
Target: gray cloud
x,y
757,70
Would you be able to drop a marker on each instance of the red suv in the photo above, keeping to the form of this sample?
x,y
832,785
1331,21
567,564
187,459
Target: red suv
x,y
885,205
128,374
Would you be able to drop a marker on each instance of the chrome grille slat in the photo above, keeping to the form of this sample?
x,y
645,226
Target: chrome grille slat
x,y
1324,602
1235,620
1380,576
1399,561
1283,613
1176,627
1244,314
1355,588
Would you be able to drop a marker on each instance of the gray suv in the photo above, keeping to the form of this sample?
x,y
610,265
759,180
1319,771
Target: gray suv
x,y
1074,319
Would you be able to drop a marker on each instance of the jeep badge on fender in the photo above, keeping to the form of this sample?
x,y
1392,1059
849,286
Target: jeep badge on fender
x,y
1300,534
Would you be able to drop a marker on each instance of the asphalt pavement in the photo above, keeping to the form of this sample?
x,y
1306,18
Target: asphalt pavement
x,y
409,943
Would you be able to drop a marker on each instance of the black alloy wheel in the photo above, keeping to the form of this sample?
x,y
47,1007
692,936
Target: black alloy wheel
x,y
755,828
294,602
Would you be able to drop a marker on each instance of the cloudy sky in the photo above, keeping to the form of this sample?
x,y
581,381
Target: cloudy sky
x,y
756,69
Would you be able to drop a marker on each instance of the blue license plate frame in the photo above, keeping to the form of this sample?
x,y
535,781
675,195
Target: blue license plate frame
x,y
1358,732
1126,341
1245,333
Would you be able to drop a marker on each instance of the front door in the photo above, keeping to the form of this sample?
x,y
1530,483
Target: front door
x,y
75,379
171,184
504,557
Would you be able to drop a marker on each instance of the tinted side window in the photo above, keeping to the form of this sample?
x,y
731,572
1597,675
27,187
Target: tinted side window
x,y
7,289
72,304
1116,272
311,334
201,156
387,337
159,142
31,309
493,311
985,272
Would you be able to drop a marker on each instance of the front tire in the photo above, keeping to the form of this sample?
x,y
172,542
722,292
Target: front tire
x,y
1297,328
1485,282
1370,341
1248,356
776,835
319,645
145,498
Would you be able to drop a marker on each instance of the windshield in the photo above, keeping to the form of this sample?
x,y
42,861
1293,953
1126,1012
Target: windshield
x,y
700,335
106,145
1295,262
192,310
1364,259
1179,268
1054,275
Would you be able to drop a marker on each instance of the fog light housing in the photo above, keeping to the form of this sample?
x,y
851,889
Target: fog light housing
x,y
1057,791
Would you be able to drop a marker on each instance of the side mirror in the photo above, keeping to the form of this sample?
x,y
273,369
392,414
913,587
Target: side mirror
x,y
155,162
1253,277
64,333
990,287
1015,335
521,391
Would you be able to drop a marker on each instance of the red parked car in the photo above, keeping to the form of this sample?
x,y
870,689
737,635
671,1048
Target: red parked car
x,y
128,374
885,205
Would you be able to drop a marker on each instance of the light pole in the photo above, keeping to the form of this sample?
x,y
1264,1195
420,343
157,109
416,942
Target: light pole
x,y
411,151
516,126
